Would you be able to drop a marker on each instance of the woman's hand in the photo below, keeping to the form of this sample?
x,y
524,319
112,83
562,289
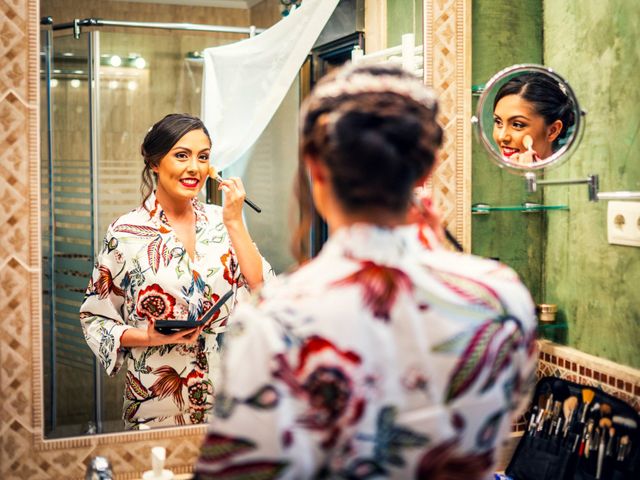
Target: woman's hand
x,y
249,259
156,338
524,158
424,214
234,195
138,337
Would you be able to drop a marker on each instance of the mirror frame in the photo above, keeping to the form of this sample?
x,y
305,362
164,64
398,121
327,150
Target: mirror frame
x,y
24,451
558,157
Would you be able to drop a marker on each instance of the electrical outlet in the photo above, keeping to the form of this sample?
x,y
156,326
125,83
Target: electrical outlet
x,y
623,223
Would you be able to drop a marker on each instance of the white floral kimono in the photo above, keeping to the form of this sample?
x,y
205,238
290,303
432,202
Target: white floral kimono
x,y
379,358
143,271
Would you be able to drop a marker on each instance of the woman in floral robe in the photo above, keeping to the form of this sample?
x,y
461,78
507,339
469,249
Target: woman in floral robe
x,y
386,356
171,258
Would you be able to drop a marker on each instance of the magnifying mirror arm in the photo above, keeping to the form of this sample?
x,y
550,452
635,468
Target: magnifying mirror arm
x,y
618,195
592,182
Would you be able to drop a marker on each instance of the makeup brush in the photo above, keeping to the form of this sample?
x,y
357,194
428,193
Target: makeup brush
x,y
611,445
560,394
527,142
453,240
214,175
586,439
545,400
587,398
623,449
568,409
539,413
624,422
605,425
532,418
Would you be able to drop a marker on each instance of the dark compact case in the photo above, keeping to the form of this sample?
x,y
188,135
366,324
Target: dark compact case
x,y
168,327
596,439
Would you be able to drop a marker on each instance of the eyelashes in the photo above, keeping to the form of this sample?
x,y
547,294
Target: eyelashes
x,y
184,156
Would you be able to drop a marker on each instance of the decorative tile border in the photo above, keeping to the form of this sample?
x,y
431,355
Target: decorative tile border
x,y
568,363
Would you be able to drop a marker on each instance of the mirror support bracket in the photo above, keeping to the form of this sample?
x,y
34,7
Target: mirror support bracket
x,y
592,181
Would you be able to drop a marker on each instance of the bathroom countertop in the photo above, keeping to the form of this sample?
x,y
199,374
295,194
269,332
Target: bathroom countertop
x,y
180,476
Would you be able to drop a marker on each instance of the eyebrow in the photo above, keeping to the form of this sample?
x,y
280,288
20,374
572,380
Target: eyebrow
x,y
513,118
189,150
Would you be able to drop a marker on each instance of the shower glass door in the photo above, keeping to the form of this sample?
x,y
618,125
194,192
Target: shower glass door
x,y
67,233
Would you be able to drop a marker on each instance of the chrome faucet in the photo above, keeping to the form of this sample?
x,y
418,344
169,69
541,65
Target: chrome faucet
x,y
99,468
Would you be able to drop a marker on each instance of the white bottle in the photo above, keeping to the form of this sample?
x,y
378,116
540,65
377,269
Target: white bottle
x,y
158,472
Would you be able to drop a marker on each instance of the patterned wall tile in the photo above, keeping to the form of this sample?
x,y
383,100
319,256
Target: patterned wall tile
x,y
14,179
448,71
13,32
23,451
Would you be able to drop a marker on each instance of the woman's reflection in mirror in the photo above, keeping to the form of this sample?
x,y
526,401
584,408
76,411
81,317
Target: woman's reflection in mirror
x,y
171,258
386,355
534,105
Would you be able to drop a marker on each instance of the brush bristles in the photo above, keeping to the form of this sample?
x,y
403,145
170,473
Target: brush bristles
x,y
587,395
569,405
527,142
625,421
212,172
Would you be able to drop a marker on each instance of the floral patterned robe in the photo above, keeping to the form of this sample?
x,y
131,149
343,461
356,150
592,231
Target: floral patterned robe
x,y
144,271
379,358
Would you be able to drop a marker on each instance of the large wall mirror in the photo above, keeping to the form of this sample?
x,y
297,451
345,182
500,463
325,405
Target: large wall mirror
x,y
104,83
556,238
103,86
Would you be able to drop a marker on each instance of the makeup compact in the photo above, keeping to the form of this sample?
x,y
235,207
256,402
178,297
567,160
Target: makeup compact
x,y
168,327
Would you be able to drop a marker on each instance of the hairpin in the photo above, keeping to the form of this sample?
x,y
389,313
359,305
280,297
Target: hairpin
x,y
563,88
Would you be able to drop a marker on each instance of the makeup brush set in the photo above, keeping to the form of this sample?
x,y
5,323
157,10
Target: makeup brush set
x,y
577,432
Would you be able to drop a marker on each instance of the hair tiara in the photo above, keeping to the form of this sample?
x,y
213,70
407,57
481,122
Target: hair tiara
x,y
355,80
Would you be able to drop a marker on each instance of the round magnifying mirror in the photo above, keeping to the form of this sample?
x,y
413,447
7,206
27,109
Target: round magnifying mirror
x,y
528,118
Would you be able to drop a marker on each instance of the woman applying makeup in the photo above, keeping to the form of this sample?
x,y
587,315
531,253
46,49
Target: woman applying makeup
x,y
532,116
171,258
385,356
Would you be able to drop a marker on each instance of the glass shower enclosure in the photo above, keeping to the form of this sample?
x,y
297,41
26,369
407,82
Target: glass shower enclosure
x,y
104,83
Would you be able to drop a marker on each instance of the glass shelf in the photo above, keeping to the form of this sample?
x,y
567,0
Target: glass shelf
x,y
484,209
542,326
476,90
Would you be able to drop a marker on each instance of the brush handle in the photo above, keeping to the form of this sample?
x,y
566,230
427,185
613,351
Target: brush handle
x,y
532,419
558,425
246,199
453,240
601,448
567,424
252,205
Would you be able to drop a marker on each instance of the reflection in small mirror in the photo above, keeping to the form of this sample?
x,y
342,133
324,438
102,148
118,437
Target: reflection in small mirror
x,y
528,118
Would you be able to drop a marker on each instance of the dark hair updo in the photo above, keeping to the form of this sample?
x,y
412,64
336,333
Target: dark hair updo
x,y
159,140
547,97
375,128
